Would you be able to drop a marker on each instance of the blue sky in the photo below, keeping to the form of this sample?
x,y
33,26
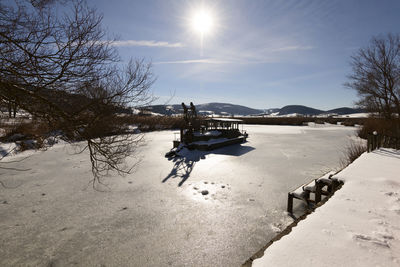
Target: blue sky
x,y
260,54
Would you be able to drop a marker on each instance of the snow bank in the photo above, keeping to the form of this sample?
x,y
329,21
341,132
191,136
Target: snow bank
x,y
358,226
9,151
354,115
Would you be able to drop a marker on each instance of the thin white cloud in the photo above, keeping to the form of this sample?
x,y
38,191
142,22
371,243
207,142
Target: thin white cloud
x,y
292,48
194,61
147,43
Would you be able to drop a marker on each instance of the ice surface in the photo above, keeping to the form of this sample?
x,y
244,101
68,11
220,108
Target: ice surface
x,y
155,216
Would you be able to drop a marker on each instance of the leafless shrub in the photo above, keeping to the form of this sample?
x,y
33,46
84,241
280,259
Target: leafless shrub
x,y
352,152
30,130
381,126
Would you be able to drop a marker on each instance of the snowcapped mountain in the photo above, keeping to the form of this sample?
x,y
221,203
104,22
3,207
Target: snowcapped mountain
x,y
227,109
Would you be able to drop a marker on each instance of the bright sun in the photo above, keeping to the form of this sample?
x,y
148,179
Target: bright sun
x,y
202,21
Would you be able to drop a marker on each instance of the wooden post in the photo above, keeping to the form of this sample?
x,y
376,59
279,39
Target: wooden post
x,y
290,203
307,198
369,143
181,137
373,143
318,191
378,141
375,140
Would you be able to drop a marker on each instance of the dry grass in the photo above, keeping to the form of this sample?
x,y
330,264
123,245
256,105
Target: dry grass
x,y
22,130
352,152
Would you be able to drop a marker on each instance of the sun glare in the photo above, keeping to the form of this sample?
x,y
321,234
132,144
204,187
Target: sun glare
x,y
202,21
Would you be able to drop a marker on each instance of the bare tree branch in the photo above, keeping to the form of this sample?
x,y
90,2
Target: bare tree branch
x,y
376,75
60,68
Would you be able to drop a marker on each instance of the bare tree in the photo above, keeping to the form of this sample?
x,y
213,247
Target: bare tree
x,y
9,104
62,69
376,75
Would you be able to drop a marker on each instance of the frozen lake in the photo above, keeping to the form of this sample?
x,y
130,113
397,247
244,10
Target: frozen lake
x,y
157,216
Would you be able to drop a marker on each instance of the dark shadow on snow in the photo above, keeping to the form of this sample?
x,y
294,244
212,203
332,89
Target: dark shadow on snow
x,y
183,165
182,169
5,167
388,152
3,152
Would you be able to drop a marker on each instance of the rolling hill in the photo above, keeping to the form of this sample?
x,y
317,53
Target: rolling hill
x,y
207,109
227,109
298,109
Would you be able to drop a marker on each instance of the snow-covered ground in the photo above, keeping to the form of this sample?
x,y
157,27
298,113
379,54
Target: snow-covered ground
x,y
358,226
158,215
354,115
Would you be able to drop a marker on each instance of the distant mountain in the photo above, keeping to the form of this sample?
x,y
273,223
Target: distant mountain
x,y
345,111
207,109
227,109
307,111
301,110
165,109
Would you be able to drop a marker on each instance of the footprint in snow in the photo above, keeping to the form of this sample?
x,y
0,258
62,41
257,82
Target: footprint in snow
x,y
372,240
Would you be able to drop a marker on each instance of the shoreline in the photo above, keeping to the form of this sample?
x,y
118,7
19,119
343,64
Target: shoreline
x,y
358,227
288,229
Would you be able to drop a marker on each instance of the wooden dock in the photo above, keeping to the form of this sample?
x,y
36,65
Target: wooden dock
x,y
313,192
